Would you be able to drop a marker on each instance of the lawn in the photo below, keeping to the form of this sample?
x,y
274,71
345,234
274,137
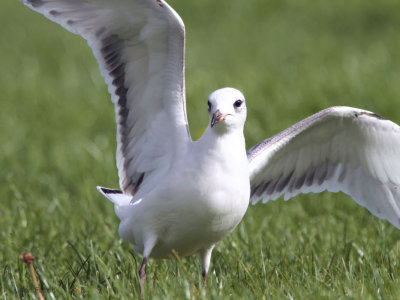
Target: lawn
x,y
290,58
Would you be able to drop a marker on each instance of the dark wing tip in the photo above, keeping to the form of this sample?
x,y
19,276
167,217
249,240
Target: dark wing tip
x,y
108,191
34,3
371,114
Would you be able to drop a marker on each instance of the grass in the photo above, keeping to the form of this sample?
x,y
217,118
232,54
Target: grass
x,y
291,58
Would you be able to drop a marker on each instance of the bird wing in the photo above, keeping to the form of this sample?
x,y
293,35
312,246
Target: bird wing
x,y
139,45
337,149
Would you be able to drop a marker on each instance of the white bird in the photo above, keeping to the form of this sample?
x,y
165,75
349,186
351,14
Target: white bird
x,y
183,195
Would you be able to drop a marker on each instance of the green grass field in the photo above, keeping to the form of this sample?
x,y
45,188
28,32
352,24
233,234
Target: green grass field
x,y
290,58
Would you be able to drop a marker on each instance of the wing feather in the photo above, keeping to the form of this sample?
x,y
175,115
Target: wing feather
x,y
139,45
338,149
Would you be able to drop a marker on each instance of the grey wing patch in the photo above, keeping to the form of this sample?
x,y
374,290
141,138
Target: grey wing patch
x,y
290,183
111,51
257,149
35,3
54,13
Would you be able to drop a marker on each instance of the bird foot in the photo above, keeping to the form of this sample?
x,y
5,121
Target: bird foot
x,y
204,275
142,275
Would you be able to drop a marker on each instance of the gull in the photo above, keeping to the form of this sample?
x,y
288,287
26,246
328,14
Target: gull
x,y
184,196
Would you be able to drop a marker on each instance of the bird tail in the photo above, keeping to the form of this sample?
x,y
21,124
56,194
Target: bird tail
x,y
115,196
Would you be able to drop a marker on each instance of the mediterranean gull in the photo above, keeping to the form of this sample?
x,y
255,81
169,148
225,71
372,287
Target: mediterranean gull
x,y
186,196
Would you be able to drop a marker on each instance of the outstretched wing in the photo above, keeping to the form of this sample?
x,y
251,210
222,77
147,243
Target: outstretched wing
x,y
139,45
338,149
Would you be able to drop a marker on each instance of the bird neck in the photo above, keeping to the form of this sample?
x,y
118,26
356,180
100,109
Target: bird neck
x,y
226,142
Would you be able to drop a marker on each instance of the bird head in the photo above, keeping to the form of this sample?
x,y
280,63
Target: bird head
x,y
227,109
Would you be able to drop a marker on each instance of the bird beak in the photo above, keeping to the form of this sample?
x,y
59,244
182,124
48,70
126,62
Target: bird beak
x,y
217,117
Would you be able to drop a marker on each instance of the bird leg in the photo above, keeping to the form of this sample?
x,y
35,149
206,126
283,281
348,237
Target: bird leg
x,y
204,275
142,274
205,257
150,241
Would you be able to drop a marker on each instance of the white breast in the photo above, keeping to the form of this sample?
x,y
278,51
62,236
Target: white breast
x,y
199,202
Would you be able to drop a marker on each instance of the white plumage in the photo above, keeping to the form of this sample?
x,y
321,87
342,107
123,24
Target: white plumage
x,y
338,149
183,195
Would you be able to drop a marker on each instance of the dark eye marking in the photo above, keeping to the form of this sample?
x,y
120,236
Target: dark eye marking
x,y
237,103
209,106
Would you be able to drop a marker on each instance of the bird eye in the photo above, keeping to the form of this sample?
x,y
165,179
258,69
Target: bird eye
x,y
209,106
237,103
